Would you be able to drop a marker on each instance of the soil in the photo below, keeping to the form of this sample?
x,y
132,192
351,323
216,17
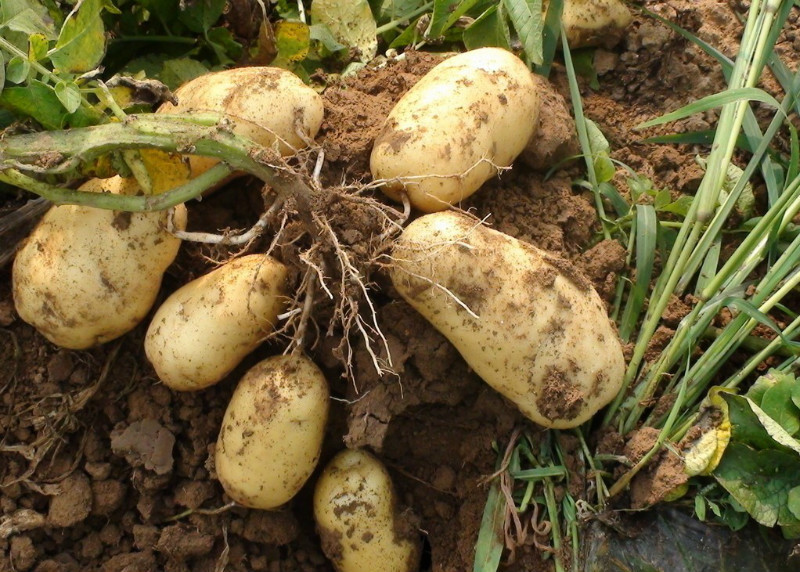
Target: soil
x,y
104,469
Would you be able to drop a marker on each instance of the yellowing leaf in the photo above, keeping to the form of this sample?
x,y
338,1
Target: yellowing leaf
x,y
705,453
293,40
351,23
157,171
81,44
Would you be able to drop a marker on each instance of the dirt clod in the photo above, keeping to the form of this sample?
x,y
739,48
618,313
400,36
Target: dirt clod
x,y
71,502
145,444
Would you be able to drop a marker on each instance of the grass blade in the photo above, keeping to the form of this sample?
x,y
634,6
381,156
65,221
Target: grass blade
x,y
646,238
728,96
491,538
583,131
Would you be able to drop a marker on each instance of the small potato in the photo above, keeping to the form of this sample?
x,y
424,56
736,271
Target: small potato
x,y
357,517
593,22
270,106
470,114
529,324
272,431
208,326
86,276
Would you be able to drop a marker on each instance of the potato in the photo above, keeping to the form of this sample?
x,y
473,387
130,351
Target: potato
x,y
358,520
470,114
208,326
528,324
272,431
593,22
86,275
270,106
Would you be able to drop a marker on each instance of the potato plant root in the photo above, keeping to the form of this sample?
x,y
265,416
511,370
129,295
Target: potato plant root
x,y
103,468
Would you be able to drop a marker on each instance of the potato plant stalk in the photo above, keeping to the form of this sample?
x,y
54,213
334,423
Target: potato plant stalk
x,y
205,135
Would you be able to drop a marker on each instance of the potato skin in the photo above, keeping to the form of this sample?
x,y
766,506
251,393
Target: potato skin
x,y
86,276
542,337
272,431
208,326
593,22
268,105
356,514
442,140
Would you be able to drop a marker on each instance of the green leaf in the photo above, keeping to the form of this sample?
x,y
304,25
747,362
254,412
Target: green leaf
x,y
201,15
752,427
17,70
619,203
526,17
175,72
489,546
81,44
713,101
69,95
40,102
351,23
486,30
793,502
761,482
30,22
777,403
226,48
390,10
322,34
680,206
439,17
2,72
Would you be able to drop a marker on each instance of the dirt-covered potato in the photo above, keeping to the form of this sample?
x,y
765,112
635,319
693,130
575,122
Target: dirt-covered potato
x,y
272,431
86,275
270,106
593,22
448,135
208,326
358,519
527,322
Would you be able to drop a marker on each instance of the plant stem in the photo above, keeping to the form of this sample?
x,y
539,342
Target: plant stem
x,y
206,135
145,203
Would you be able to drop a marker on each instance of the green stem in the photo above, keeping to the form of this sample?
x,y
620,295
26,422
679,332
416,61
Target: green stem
x,y
12,49
205,135
146,203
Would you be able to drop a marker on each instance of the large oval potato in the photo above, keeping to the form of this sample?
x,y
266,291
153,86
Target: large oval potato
x,y
272,431
358,519
86,275
270,106
208,326
470,114
528,323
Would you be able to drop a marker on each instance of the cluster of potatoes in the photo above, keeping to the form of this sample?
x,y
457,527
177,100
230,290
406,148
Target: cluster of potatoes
x,y
527,324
